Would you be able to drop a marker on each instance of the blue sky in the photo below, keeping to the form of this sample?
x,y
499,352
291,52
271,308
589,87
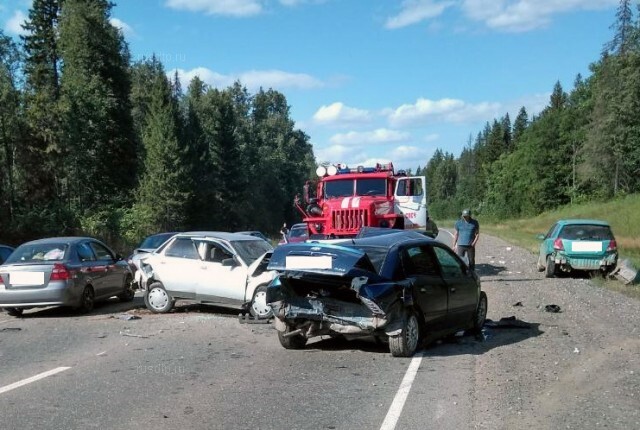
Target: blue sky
x,y
373,80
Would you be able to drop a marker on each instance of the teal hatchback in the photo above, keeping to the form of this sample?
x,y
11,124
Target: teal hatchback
x,y
577,244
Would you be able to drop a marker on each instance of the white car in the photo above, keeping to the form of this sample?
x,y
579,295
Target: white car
x,y
224,269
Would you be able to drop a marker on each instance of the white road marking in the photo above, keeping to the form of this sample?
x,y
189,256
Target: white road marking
x,y
393,415
32,379
6,321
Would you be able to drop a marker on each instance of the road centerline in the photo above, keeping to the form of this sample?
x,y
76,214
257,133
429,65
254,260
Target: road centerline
x,y
393,414
32,379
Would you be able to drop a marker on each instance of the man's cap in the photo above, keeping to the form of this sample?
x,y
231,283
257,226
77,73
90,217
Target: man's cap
x,y
466,212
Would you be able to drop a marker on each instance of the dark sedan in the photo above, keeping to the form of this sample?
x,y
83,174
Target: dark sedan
x,y
63,271
396,286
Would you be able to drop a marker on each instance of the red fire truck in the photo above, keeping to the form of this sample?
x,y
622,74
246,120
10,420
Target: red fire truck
x,y
347,199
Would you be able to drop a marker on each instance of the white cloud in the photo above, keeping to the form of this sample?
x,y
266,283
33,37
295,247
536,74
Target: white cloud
x,y
14,25
337,154
253,79
409,157
534,104
506,15
524,15
126,29
415,11
339,114
237,8
443,110
431,137
402,157
379,136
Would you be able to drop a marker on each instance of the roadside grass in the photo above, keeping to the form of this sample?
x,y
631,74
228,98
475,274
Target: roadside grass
x,y
623,214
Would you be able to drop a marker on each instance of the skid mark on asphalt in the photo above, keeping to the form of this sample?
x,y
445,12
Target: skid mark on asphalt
x,y
393,415
32,379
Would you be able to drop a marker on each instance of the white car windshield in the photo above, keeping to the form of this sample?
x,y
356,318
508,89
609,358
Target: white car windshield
x,y
250,250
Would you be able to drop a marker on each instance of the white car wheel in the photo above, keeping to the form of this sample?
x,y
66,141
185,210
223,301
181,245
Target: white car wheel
x,y
259,307
157,299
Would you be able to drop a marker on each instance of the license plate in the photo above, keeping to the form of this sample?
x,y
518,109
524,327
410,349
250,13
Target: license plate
x,y
26,278
306,262
586,246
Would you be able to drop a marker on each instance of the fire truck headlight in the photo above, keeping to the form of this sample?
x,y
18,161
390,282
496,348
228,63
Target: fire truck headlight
x,y
321,171
332,170
318,227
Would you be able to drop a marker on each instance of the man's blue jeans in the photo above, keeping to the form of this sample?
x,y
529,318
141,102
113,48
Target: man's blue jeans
x,y
470,252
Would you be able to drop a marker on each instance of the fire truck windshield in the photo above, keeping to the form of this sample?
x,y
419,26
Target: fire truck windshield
x,y
363,187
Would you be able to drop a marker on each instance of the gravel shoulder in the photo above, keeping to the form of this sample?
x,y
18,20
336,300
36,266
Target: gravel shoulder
x,y
578,368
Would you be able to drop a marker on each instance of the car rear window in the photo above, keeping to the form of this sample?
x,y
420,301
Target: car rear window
x,y
38,252
586,232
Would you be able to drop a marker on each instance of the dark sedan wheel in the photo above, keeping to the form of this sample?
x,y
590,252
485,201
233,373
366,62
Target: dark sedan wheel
x,y
129,291
481,313
405,344
550,269
296,341
157,299
14,312
87,300
259,307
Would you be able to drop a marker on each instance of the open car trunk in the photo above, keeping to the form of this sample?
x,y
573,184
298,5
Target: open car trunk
x,y
326,289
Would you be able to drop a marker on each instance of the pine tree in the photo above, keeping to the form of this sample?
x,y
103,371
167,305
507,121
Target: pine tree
x,y
10,125
166,188
520,125
95,90
40,155
624,32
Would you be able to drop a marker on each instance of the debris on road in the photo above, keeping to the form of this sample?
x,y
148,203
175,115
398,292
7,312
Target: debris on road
x,y
518,304
507,322
626,273
11,329
128,317
248,319
553,308
133,335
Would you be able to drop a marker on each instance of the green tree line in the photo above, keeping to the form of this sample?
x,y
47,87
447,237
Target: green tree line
x,y
93,143
584,146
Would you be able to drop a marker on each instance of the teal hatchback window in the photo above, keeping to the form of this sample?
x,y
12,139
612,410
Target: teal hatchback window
x,y
586,232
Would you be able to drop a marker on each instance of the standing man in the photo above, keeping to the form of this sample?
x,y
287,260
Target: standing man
x,y
466,237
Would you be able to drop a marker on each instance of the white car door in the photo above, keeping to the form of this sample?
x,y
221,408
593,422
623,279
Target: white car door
x,y
178,267
410,200
223,277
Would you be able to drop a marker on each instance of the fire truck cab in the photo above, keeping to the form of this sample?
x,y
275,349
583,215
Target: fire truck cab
x,y
347,199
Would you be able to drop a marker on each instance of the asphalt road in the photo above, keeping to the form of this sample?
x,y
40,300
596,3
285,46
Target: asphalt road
x,y
199,367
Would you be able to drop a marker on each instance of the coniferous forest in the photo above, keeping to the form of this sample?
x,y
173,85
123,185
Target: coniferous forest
x,y
93,143
584,146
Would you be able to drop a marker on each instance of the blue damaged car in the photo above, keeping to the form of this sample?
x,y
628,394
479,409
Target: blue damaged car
x,y
577,244
395,287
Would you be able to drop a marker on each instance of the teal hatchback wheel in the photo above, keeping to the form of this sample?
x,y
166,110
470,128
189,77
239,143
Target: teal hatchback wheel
x,y
550,269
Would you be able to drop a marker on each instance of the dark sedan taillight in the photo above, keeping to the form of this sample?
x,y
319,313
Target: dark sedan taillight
x,y
612,245
557,245
60,272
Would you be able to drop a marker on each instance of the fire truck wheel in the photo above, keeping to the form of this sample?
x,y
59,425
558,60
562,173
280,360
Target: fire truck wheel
x,y
259,307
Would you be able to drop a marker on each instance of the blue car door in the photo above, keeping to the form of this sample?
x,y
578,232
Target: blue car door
x,y
429,289
461,285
